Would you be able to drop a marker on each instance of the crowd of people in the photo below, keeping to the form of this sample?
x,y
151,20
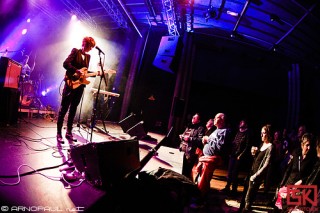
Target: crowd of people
x,y
277,161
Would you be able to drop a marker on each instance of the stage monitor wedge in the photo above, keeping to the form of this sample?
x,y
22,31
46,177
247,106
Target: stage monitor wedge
x,y
105,164
133,127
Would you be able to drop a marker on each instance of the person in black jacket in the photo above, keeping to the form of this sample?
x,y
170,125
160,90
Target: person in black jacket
x,y
76,64
314,178
240,153
191,139
300,167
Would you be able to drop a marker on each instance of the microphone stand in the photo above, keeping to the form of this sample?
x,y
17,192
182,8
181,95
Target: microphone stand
x,y
79,118
93,117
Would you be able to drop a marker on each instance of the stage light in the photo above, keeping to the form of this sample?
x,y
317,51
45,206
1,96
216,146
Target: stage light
x,y
236,35
275,48
275,18
73,17
24,31
211,13
232,13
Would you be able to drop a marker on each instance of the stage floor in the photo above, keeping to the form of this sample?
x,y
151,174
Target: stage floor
x,y
31,162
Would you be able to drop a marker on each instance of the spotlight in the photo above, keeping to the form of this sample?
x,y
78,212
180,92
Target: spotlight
x,y
24,31
236,35
45,92
275,48
211,13
74,18
275,18
231,13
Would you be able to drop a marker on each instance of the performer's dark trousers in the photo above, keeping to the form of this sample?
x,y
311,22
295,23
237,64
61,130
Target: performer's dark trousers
x,y
70,101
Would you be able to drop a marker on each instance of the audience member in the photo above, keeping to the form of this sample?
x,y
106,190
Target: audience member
x,y
300,167
240,152
314,178
273,178
285,140
296,139
215,150
209,127
208,130
191,139
260,165
286,152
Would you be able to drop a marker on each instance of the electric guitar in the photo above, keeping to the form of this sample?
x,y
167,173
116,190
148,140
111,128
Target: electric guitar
x,y
26,100
77,79
184,145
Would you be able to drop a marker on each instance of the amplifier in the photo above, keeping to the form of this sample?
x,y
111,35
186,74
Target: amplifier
x,y
9,73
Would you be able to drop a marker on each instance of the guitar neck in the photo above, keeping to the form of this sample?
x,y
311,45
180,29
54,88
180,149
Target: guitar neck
x,y
96,73
91,74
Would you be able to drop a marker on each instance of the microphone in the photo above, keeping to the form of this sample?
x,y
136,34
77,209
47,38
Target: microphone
x,y
98,48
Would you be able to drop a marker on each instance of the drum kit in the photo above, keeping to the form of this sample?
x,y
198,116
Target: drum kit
x,y
29,89
29,93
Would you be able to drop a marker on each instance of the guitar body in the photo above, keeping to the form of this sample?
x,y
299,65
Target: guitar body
x,y
78,79
184,145
26,100
73,84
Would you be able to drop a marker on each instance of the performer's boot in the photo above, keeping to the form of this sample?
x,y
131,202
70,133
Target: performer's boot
x,y
69,135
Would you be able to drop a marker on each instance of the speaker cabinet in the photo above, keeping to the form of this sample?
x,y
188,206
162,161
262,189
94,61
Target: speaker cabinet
x,y
133,127
168,46
106,163
9,106
163,62
9,73
166,53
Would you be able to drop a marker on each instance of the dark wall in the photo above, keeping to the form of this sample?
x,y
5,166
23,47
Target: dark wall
x,y
310,99
241,81
246,82
153,82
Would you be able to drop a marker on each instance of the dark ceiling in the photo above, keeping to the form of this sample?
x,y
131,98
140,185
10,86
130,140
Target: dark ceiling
x,y
290,27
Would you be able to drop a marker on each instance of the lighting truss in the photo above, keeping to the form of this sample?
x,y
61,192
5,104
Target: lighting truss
x,y
46,10
190,16
170,14
115,14
81,14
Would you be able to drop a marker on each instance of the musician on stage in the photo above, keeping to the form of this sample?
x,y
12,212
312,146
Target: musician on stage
x,y
71,96
26,69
